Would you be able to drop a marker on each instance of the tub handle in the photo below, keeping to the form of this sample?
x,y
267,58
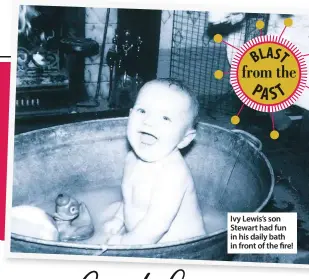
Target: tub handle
x,y
101,251
249,137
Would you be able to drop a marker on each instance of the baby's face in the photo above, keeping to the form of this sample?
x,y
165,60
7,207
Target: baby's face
x,y
158,122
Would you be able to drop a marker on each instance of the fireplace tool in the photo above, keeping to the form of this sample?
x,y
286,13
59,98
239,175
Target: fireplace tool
x,y
112,58
138,80
128,82
94,102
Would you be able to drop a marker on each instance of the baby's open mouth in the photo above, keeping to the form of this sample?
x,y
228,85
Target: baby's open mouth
x,y
148,139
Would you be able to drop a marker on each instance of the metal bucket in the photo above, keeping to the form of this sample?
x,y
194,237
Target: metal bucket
x,y
230,172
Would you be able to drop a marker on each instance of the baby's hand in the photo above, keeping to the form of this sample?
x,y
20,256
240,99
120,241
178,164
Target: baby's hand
x,y
112,226
114,240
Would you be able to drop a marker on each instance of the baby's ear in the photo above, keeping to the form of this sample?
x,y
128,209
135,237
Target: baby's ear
x,y
189,136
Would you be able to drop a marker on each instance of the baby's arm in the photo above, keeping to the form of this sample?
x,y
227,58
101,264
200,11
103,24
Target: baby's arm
x,y
114,225
165,203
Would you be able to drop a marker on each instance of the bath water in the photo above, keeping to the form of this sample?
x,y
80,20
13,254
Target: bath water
x,y
103,203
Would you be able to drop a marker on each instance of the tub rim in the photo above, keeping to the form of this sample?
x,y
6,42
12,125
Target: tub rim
x,y
103,248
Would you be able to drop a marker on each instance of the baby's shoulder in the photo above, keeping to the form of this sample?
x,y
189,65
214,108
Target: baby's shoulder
x,y
178,165
178,172
129,163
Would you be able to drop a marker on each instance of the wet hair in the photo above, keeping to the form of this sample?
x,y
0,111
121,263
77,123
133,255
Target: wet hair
x,y
183,88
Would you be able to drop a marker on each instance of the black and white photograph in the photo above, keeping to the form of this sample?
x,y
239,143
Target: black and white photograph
x,y
124,145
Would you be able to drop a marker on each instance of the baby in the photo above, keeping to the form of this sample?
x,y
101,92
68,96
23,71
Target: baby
x,y
159,198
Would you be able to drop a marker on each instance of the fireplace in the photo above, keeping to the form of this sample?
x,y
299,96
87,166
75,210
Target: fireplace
x,y
45,70
52,79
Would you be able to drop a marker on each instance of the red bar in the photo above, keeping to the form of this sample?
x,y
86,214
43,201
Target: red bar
x,y
4,123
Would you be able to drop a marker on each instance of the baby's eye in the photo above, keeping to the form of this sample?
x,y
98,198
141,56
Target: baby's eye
x,y
166,118
141,110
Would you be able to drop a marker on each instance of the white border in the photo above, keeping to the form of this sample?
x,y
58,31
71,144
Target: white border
x,y
230,6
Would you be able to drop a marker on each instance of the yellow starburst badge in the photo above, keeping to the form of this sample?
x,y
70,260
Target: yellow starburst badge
x,y
268,73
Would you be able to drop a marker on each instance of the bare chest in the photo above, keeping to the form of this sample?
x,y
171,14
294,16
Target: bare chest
x,y
140,184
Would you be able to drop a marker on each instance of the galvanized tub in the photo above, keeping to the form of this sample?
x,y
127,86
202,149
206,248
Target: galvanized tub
x,y
230,172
